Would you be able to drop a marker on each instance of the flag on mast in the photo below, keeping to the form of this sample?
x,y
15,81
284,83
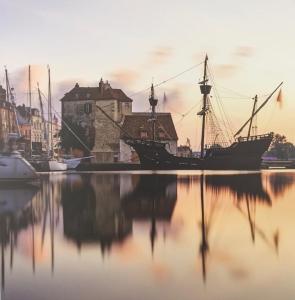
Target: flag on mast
x,y
280,98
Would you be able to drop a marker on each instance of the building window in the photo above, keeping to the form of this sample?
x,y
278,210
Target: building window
x,y
87,108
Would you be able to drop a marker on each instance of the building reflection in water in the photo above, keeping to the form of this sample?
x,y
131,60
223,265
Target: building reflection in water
x,y
92,211
102,208
153,198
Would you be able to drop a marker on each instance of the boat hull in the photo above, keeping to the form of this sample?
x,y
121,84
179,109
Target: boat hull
x,y
245,154
55,165
50,165
13,167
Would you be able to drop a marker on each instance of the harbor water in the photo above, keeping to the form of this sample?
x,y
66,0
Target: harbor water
x,y
141,235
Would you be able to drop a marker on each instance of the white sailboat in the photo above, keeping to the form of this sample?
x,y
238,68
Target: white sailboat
x,y
53,163
13,167
73,163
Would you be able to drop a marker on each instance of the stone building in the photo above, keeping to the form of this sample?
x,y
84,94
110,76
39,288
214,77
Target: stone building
x,y
7,118
101,136
139,126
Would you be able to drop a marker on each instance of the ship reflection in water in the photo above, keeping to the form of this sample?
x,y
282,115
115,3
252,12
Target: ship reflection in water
x,y
149,236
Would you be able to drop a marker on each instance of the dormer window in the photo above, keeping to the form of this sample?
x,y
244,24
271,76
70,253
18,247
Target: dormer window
x,y
88,95
161,134
77,96
143,134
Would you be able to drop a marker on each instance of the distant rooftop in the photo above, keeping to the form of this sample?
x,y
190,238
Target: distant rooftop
x,y
103,91
140,122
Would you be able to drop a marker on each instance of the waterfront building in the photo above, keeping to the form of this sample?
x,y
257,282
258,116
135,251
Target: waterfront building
x,y
34,129
31,128
7,117
98,133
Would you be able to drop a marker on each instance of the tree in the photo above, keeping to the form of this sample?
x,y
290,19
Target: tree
x,y
281,148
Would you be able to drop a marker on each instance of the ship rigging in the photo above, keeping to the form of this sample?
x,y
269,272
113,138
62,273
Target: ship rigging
x,y
217,151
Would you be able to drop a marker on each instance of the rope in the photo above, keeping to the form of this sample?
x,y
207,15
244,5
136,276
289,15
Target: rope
x,y
225,119
165,81
68,127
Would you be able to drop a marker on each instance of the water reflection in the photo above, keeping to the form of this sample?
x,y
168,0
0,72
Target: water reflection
x,y
113,212
92,211
153,199
15,215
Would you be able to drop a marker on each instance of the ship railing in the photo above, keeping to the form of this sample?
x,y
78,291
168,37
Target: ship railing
x,y
254,137
216,145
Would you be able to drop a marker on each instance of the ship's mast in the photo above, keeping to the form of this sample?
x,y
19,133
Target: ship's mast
x,y
50,141
8,94
205,91
258,109
10,98
153,102
30,111
252,116
42,112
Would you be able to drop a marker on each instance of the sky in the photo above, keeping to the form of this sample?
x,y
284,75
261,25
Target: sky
x,y
132,43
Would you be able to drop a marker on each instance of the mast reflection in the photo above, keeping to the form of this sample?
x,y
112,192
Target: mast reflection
x,y
15,213
154,199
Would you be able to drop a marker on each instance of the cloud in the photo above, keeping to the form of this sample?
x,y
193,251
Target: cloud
x,y
160,55
244,51
124,77
20,78
226,70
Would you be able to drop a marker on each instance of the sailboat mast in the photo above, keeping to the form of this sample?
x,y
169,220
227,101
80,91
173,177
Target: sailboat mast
x,y
8,94
50,141
205,91
252,116
30,111
7,86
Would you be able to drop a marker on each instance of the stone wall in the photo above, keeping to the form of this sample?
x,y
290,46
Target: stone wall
x,y
107,134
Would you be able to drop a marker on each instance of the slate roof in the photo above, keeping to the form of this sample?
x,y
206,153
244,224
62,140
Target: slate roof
x,y
139,122
103,92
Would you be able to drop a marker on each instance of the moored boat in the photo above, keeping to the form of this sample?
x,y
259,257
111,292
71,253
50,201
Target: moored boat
x,y
244,153
13,167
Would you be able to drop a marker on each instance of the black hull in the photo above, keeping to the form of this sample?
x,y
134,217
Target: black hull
x,y
245,154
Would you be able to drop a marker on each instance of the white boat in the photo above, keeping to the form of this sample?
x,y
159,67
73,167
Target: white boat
x,y
13,167
73,163
56,165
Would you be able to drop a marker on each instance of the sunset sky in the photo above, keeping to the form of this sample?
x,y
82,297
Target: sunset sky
x,y
132,43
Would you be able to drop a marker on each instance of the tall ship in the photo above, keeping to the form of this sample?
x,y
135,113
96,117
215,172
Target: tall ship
x,y
244,153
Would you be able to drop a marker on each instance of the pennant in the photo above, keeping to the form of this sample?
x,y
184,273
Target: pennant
x,y
280,98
